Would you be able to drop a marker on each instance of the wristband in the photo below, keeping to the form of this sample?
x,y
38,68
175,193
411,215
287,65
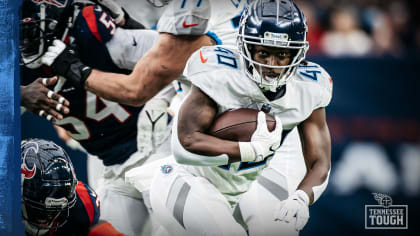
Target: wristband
x,y
301,195
247,152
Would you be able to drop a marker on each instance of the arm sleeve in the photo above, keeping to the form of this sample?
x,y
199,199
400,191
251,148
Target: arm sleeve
x,y
127,46
319,189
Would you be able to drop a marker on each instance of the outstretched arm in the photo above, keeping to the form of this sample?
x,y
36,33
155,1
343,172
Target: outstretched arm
x,y
162,64
316,145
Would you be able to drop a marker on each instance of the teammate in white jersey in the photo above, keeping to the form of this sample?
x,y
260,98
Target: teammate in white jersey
x,y
197,195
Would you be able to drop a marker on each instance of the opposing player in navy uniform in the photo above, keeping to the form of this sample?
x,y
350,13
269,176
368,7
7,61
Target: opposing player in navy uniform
x,y
54,202
105,129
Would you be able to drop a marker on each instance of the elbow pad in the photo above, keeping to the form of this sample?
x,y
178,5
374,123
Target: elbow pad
x,y
183,156
319,189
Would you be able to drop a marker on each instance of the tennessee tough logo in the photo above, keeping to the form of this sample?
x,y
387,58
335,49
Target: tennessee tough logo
x,y
56,3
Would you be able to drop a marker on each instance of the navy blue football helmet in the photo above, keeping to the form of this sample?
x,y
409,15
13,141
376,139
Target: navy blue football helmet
x,y
48,186
272,23
41,22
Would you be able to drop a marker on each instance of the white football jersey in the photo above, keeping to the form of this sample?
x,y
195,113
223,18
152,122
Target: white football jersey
x,y
219,72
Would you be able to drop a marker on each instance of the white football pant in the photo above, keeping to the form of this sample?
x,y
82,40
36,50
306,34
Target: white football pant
x,y
281,178
190,205
121,204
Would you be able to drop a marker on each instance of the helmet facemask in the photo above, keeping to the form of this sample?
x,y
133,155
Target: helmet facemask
x,y
41,24
33,39
40,218
269,38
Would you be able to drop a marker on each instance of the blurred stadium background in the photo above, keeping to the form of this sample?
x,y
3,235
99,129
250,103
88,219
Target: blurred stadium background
x,y
371,48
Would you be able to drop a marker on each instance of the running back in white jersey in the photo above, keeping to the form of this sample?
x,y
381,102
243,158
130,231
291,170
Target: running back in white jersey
x,y
219,73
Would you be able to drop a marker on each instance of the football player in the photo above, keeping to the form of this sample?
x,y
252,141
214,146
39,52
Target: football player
x,y
185,26
104,128
54,202
197,195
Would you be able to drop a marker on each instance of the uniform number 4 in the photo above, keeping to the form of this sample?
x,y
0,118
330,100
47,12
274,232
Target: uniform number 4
x,y
108,109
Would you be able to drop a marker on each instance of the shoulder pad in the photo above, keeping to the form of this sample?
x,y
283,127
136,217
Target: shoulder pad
x,y
313,72
90,201
185,17
213,58
217,71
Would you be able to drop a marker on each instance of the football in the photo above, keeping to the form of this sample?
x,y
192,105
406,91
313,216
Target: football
x,y
238,125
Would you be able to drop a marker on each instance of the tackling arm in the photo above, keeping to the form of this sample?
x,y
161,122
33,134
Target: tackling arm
x,y
316,146
161,65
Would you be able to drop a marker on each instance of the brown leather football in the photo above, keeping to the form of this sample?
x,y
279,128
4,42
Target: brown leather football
x,y
238,125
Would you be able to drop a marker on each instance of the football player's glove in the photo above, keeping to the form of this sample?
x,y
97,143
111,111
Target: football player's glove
x,y
63,61
152,125
263,142
296,206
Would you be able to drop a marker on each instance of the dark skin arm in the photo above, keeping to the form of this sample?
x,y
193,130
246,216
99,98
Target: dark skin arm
x,y
34,98
316,146
157,68
195,117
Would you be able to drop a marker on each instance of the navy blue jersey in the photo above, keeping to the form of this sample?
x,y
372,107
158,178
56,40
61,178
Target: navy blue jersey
x,y
92,29
83,215
105,129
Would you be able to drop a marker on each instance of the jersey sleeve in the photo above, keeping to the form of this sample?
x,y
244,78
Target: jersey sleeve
x,y
214,70
94,22
128,46
326,84
320,86
185,17
84,214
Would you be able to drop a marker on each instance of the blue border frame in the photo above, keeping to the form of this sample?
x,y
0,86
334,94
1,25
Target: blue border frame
x,y
10,213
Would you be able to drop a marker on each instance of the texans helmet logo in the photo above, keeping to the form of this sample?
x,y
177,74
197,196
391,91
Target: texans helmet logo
x,y
24,170
56,3
28,173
